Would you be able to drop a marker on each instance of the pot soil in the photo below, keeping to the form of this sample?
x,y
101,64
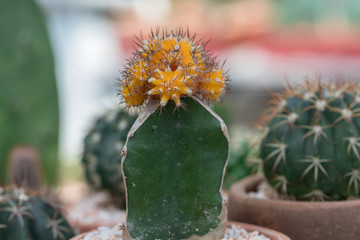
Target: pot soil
x,y
299,220
235,231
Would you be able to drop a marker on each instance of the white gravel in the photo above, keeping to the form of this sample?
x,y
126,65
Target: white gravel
x,y
233,233
96,209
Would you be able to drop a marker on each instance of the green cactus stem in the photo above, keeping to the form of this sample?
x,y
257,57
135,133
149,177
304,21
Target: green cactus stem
x,y
101,157
174,163
311,149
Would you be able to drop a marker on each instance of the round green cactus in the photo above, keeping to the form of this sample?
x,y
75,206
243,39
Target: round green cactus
x,y
311,148
31,215
102,153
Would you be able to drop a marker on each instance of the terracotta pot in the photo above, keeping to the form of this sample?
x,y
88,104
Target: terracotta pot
x,y
272,234
299,220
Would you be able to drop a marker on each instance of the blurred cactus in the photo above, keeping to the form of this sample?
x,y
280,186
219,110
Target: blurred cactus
x,y
101,156
29,215
25,211
24,167
176,151
311,150
28,97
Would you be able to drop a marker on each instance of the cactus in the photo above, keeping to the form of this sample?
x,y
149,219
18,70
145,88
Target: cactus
x,y
176,151
30,215
29,110
311,149
26,212
24,167
101,156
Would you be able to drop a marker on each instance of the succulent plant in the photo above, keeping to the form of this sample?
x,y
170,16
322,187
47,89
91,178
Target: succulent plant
x,y
311,149
31,215
24,167
176,151
101,156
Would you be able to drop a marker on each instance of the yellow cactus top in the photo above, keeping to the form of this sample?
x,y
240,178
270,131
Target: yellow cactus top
x,y
171,65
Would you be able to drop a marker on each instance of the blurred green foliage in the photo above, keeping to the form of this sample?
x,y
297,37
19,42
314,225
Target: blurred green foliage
x,y
244,155
244,152
28,96
289,12
237,167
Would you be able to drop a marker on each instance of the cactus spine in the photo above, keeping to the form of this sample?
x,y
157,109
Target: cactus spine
x,y
101,156
311,149
176,151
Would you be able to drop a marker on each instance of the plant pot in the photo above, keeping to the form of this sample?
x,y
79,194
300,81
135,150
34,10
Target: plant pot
x,y
272,234
299,220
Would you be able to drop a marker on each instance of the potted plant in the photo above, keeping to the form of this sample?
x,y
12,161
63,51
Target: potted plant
x,y
176,152
310,153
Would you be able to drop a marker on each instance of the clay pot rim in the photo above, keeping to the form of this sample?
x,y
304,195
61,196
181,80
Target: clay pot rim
x,y
241,188
267,232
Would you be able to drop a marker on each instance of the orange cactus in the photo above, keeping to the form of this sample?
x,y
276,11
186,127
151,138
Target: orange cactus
x,y
169,66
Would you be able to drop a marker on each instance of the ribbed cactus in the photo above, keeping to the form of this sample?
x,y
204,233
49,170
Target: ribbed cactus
x,y
176,151
311,149
30,215
101,156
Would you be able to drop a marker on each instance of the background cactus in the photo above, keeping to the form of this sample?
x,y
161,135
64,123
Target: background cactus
x,y
311,149
24,167
29,110
30,215
176,151
101,156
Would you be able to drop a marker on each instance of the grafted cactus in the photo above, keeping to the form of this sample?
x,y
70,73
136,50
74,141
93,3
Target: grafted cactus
x,y
311,149
176,151
101,156
31,215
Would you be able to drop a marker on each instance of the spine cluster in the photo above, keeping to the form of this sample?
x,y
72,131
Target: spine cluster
x,y
171,65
